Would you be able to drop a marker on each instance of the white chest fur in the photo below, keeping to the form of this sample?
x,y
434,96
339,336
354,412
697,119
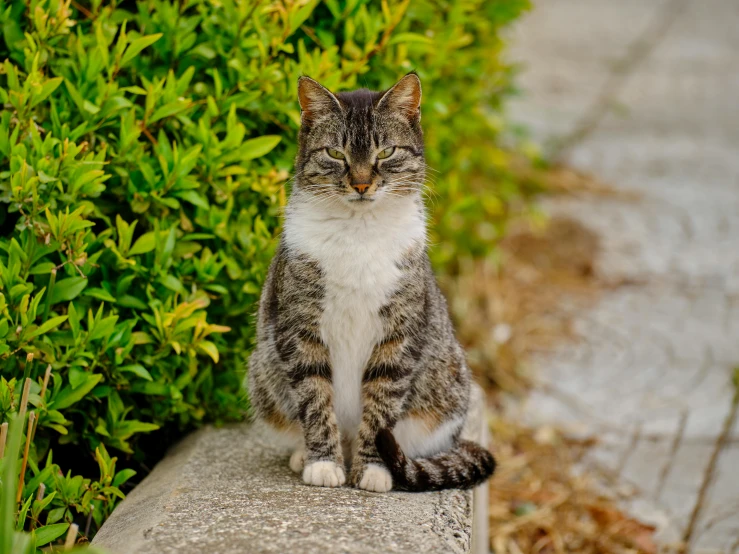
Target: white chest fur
x,y
358,255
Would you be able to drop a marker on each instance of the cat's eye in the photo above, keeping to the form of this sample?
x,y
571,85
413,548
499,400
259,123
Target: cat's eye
x,y
386,153
335,154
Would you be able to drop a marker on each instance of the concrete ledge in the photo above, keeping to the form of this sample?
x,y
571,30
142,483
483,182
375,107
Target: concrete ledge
x,y
231,490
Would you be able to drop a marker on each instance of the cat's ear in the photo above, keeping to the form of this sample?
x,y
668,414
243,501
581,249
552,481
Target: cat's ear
x,y
404,97
315,100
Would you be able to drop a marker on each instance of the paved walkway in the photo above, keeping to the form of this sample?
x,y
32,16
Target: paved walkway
x,y
644,94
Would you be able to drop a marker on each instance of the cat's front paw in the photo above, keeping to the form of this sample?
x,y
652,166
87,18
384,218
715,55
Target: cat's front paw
x,y
375,478
324,474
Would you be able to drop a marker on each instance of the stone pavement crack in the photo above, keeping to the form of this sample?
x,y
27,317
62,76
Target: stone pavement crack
x,y
630,449
721,442
676,442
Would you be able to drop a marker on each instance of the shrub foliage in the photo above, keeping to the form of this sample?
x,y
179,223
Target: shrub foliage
x,y
145,153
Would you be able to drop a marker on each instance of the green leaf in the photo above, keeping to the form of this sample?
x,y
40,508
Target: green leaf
x,y
44,178
74,94
104,327
134,90
55,515
19,290
169,109
408,38
69,396
23,512
194,198
123,476
43,268
100,294
208,348
9,479
127,428
46,534
129,301
46,89
145,243
90,107
77,377
137,369
48,325
67,289
137,46
258,147
172,283
298,17
155,389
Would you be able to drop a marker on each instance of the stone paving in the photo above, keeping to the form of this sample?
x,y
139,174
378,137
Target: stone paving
x,y
645,95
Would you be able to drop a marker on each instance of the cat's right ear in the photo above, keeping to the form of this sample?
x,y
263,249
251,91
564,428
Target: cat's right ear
x,y
315,100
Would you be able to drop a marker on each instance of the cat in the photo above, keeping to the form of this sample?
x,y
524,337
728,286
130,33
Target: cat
x,y
356,356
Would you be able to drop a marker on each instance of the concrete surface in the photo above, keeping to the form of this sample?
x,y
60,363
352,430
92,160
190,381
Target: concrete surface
x,y
231,490
645,96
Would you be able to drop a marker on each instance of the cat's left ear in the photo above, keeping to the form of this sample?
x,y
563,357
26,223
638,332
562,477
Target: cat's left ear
x,y
404,98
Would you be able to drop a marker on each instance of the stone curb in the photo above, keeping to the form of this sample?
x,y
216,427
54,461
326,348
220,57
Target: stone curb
x,y
231,490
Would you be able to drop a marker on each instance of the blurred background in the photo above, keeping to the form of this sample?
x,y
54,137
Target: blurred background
x,y
584,199
634,105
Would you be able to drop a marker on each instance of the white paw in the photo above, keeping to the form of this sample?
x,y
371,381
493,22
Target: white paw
x,y
324,474
376,479
297,460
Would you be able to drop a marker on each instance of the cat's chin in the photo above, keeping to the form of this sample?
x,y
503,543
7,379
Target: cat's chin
x,y
361,201
361,204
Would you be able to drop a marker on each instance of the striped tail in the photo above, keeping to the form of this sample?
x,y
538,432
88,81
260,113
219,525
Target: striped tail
x,y
464,466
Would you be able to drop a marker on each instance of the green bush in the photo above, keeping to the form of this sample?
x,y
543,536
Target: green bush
x,y
13,538
145,151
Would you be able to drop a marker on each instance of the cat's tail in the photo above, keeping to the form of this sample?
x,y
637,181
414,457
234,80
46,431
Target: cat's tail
x,y
464,466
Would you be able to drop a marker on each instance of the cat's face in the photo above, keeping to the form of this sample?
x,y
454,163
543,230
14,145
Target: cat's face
x,y
360,148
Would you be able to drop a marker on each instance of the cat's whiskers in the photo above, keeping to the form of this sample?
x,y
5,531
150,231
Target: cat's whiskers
x,y
321,199
405,184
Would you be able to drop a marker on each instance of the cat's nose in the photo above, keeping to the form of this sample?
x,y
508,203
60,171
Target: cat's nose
x,y
361,188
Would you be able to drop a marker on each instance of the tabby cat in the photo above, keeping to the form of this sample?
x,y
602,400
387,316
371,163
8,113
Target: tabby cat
x,y
356,356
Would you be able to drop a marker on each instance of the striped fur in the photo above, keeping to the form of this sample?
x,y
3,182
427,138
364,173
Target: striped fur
x,y
355,347
464,466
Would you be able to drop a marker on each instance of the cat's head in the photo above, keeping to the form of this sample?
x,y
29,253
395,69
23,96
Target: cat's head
x,y
360,148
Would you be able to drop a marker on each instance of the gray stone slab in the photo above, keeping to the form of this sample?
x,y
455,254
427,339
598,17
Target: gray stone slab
x,y
560,80
231,490
651,372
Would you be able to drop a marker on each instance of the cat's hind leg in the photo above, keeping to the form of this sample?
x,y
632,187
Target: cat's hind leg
x,y
297,460
419,435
